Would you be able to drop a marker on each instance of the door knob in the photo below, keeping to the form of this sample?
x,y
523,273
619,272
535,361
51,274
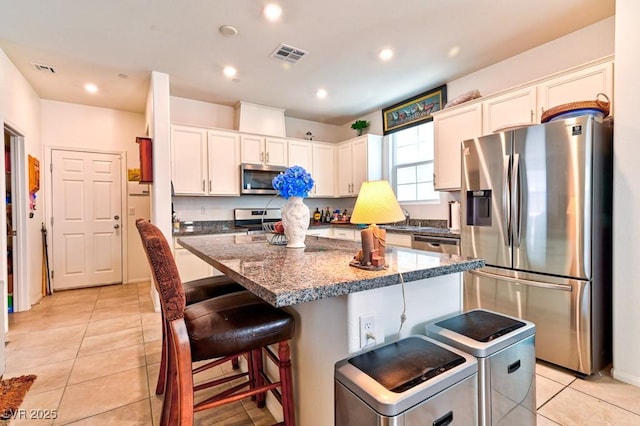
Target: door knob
x,y
116,217
116,226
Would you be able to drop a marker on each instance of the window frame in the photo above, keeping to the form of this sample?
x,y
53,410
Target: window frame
x,y
394,168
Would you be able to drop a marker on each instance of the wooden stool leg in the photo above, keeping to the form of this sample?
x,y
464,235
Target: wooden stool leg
x,y
162,374
169,412
256,354
288,408
235,363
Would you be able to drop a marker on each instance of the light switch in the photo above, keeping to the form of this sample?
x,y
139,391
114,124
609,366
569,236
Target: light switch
x,y
132,211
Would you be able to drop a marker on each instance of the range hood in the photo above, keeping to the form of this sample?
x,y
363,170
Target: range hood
x,y
260,119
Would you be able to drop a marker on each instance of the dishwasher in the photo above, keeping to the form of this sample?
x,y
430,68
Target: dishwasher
x,y
436,244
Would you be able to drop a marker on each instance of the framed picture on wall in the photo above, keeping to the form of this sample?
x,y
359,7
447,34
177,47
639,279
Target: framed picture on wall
x,y
415,110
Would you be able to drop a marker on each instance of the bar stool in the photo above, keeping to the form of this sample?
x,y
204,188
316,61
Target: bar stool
x,y
216,329
195,291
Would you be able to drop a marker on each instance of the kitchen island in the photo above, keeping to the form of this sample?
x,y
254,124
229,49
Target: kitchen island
x,y
328,298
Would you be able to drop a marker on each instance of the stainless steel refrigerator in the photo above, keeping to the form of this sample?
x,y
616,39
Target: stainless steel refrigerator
x,y
536,204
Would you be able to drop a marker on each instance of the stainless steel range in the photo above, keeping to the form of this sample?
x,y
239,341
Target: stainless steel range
x,y
252,219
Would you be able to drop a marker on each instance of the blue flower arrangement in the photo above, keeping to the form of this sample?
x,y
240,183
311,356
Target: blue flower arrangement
x,y
293,182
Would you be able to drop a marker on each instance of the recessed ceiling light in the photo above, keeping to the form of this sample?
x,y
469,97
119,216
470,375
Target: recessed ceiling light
x,y
454,51
230,71
91,88
385,54
228,31
272,12
123,75
321,93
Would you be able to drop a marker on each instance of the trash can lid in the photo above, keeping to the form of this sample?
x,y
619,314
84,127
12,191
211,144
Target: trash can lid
x,y
483,326
480,332
406,363
397,376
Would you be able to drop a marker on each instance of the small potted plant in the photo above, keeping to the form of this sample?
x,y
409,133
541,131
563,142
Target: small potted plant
x,y
359,126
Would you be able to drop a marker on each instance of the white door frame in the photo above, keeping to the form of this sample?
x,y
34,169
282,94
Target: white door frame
x,y
21,300
123,199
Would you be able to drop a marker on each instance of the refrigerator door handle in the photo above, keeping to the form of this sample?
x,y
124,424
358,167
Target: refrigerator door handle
x,y
517,210
506,195
540,284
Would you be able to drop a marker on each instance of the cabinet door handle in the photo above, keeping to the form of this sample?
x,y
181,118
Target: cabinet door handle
x,y
203,187
209,185
267,156
532,116
261,156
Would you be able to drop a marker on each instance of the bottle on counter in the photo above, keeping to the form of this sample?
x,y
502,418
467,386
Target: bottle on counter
x,y
176,221
327,216
316,215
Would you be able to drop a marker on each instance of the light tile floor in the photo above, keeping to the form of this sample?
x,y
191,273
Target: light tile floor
x,y
96,352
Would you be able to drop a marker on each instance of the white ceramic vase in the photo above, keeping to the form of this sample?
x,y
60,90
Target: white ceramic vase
x,y
295,219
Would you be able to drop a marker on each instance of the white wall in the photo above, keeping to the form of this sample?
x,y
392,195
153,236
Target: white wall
x,y
221,208
626,196
198,113
92,128
20,109
298,128
590,43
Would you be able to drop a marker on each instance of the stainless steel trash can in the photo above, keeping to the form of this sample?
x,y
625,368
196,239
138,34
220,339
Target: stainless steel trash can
x,y
505,349
414,381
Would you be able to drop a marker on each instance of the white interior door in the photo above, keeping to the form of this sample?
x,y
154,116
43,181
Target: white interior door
x,y
86,207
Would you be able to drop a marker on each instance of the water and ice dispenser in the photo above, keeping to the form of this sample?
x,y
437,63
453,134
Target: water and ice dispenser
x,y
478,208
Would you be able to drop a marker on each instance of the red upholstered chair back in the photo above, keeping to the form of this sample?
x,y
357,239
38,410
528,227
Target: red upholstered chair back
x,y
165,271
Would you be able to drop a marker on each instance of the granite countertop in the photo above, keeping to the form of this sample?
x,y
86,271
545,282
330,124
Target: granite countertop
x,y
226,227
284,277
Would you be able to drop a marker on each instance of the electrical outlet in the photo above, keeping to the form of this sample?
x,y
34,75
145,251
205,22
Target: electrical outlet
x,y
203,210
367,328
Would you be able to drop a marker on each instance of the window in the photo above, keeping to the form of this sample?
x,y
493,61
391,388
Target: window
x,y
412,163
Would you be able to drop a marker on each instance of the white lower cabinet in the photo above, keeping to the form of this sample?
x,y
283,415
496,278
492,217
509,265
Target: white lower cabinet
x,y
344,234
190,266
320,232
398,240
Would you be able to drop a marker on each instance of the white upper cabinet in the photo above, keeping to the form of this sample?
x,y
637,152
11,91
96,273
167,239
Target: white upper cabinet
x,y
224,163
345,170
359,160
258,149
511,109
323,171
204,162
318,159
189,160
301,154
521,106
581,85
451,128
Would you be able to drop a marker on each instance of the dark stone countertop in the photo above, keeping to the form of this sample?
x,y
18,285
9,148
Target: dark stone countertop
x,y
226,227
283,276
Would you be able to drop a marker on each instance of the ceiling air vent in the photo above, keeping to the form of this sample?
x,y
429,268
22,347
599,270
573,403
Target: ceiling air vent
x,y
288,53
44,68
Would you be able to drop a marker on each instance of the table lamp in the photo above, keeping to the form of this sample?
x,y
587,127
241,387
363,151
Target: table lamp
x,y
376,203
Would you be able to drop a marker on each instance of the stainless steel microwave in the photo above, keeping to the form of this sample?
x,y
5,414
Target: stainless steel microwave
x,y
257,178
